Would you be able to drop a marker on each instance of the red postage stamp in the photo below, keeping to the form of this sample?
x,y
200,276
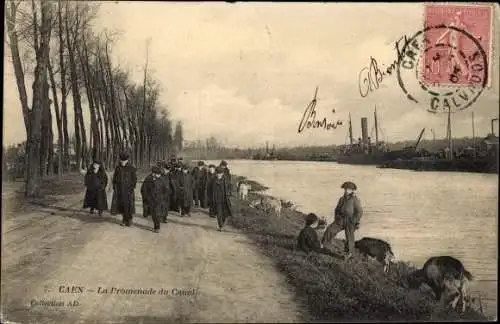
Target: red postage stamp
x,y
451,52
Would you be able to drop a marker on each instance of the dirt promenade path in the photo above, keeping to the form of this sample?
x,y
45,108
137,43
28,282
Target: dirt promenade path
x,y
205,275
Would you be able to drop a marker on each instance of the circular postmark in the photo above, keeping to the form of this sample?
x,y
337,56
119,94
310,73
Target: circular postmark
x,y
443,76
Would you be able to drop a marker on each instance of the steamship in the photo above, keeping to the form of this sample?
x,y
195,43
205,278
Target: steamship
x,y
483,157
363,151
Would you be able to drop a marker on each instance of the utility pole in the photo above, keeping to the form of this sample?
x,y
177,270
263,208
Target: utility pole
x,y
450,142
473,136
376,130
350,130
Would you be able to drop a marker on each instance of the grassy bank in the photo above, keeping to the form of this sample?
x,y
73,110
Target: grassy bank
x,y
329,288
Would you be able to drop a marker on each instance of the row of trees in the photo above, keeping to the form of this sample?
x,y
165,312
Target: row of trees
x,y
71,57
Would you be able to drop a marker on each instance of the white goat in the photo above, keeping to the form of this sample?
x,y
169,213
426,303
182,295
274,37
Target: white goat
x,y
243,190
268,204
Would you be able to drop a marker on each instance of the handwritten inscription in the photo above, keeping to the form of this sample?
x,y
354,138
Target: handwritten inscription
x,y
309,118
370,78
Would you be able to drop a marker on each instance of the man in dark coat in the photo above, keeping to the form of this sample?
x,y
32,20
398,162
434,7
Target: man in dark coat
x,y
195,173
221,199
175,175
201,186
124,182
347,217
185,186
227,175
211,177
96,181
173,161
166,197
153,191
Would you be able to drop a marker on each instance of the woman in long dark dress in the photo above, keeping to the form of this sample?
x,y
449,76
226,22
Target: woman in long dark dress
x,y
96,181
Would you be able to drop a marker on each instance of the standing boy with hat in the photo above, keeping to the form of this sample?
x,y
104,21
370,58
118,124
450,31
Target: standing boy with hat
x,y
153,190
347,217
124,182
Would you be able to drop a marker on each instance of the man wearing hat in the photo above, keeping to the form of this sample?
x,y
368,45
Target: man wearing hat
x,y
153,190
221,201
175,179
227,175
173,161
211,177
200,195
195,174
185,197
166,197
124,182
96,181
347,217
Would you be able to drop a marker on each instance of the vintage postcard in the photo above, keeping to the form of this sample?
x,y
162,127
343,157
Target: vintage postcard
x,y
180,162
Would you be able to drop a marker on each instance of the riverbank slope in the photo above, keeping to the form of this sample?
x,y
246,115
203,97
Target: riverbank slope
x,y
329,288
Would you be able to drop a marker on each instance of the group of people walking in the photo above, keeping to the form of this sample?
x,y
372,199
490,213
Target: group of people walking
x,y
171,186
174,186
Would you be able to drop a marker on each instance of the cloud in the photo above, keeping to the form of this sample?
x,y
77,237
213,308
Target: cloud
x,y
222,113
258,64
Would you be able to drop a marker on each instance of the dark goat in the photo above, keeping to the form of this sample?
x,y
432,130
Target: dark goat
x,y
442,273
376,249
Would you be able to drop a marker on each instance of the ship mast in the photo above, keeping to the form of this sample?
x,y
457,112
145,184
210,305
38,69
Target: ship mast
x,y
376,129
473,136
450,142
350,129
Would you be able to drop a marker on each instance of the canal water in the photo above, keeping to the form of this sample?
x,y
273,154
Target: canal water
x,y
421,214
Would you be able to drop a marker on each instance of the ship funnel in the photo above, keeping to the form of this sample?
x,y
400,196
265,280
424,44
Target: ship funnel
x,y
364,129
492,127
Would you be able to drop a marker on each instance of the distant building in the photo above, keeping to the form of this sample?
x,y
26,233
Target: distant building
x,y
489,145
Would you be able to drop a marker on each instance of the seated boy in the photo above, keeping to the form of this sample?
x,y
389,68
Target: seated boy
x,y
308,240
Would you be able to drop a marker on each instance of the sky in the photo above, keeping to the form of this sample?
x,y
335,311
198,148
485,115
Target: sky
x,y
245,72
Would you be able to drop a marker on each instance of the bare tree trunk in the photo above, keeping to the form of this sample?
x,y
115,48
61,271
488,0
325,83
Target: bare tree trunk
x,y
60,136
64,91
40,85
78,120
98,108
94,133
46,130
11,13
117,141
50,158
